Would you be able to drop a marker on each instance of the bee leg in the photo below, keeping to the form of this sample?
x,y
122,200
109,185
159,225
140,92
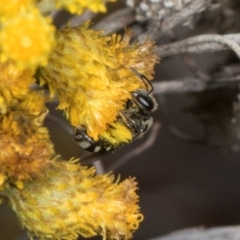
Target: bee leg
x,y
130,123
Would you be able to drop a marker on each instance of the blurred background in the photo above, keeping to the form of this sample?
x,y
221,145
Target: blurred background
x,y
187,166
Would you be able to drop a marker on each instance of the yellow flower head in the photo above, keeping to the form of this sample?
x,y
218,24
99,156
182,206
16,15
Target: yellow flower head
x,y
14,85
69,200
76,6
11,8
73,6
25,144
28,39
91,75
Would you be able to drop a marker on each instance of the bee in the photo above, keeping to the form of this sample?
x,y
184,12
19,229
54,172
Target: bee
x,y
135,116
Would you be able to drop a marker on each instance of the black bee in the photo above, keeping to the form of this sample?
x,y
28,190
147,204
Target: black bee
x,y
135,116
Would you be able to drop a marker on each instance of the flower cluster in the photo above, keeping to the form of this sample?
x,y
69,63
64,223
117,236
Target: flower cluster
x,y
97,88
87,71
74,201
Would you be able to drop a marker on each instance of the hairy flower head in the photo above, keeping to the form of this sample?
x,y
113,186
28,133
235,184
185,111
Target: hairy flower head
x,y
73,6
53,199
25,145
76,6
14,85
28,39
91,75
69,200
11,8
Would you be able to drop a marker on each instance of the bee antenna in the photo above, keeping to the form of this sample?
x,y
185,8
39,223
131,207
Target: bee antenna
x,y
145,80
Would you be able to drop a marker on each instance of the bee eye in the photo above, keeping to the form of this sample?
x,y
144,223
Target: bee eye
x,y
144,101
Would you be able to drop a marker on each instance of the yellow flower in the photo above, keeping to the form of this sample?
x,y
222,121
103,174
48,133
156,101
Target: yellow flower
x,y
73,6
25,148
69,200
14,85
11,8
28,39
91,75
25,145
78,6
